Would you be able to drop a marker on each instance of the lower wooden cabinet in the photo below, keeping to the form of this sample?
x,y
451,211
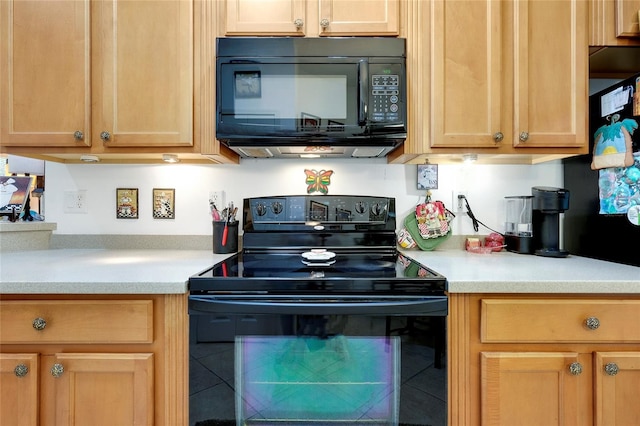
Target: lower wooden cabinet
x,y
77,389
86,360
19,385
544,360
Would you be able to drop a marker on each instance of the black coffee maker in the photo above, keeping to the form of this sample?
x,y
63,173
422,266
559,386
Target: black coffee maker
x,y
547,205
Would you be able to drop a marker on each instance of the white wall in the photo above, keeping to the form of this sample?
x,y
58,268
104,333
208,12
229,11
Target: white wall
x,y
485,187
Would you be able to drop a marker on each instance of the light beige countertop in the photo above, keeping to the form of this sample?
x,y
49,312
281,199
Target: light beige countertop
x,y
100,271
507,272
107,271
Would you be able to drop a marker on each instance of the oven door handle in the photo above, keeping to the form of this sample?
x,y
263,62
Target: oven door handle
x,y
427,306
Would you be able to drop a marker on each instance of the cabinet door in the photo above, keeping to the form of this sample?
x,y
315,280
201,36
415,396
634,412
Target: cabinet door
x,y
467,78
548,45
18,389
45,73
362,17
627,18
614,22
266,17
143,73
616,391
535,388
98,389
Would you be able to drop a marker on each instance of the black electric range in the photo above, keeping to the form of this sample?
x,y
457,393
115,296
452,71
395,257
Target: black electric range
x,y
318,247
320,320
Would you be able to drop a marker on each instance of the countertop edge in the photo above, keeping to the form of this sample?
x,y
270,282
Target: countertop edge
x,y
87,287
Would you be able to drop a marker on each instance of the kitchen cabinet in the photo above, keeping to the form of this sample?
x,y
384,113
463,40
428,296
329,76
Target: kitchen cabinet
x,y
312,17
544,359
614,22
498,77
19,391
108,78
90,360
44,66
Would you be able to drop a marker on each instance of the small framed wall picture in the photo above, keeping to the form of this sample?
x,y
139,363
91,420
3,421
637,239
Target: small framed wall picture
x,y
126,203
427,176
164,201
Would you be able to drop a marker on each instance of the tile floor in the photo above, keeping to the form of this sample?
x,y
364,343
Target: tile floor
x,y
211,375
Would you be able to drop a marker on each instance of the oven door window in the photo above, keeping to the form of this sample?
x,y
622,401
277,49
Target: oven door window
x,y
272,99
333,379
319,369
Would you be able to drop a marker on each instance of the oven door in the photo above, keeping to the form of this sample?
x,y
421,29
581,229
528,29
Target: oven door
x,y
299,360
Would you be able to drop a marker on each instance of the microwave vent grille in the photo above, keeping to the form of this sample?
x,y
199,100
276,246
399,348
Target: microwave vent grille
x,y
367,152
255,152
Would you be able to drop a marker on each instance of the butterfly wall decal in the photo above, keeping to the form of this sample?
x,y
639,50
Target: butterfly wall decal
x,y
318,181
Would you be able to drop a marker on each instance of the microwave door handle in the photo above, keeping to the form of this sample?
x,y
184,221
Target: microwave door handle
x,y
363,94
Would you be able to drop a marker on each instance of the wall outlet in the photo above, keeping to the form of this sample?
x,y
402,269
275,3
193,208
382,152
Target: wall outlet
x,y
217,198
75,201
458,201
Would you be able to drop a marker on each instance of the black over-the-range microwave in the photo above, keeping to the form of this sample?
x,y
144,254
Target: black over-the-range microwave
x,y
327,97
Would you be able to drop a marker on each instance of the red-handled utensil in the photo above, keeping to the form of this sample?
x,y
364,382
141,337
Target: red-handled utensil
x,y
224,233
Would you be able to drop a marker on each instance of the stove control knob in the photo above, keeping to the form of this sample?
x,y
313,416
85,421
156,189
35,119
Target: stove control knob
x,y
277,207
360,207
377,209
261,209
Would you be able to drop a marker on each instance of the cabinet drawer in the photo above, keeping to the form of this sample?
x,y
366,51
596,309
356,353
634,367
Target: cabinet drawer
x,y
72,321
553,320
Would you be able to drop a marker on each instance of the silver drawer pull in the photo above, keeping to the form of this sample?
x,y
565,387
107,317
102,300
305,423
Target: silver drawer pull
x,y
39,323
592,323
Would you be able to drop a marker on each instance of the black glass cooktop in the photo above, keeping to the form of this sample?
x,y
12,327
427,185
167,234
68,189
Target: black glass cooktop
x,y
346,272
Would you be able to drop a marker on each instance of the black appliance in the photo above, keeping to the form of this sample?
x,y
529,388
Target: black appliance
x,y
605,203
320,320
328,97
547,205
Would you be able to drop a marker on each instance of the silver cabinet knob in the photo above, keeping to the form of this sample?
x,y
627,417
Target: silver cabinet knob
x,y
524,136
575,368
592,323
611,369
299,23
324,23
105,136
39,323
57,370
498,137
21,370
78,135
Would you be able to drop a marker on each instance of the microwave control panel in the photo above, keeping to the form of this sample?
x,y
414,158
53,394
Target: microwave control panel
x,y
385,96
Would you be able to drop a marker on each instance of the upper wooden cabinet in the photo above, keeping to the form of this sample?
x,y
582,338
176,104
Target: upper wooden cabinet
x,y
495,77
142,63
45,87
312,17
614,22
113,78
